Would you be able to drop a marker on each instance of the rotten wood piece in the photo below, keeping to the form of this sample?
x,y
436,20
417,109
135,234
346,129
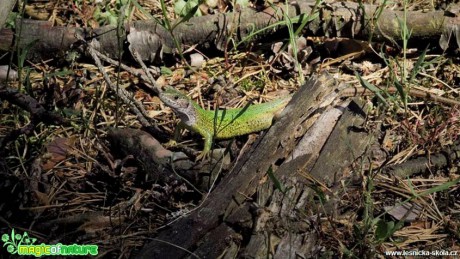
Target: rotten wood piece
x,y
286,224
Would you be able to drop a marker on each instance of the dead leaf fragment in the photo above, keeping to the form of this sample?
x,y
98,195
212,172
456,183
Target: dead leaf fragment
x,y
57,151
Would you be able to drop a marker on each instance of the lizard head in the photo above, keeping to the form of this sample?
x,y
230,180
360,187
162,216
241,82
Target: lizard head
x,y
180,104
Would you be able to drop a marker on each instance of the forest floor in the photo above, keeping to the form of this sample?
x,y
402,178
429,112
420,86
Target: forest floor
x,y
64,184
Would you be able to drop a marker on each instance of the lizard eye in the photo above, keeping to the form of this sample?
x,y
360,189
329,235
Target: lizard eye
x,y
176,97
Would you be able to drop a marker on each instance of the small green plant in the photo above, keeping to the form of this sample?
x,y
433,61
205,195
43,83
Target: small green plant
x,y
403,81
186,15
278,184
166,71
293,35
11,20
385,229
400,77
109,14
184,8
248,84
374,18
303,19
400,82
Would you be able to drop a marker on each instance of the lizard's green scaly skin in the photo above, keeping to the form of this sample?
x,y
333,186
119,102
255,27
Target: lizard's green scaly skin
x,y
222,124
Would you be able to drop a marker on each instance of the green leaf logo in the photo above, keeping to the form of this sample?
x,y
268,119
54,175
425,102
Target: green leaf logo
x,y
14,240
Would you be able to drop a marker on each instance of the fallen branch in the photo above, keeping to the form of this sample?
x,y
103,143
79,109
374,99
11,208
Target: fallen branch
x,y
151,40
37,111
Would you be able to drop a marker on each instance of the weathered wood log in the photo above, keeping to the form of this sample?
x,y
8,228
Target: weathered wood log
x,y
284,224
150,40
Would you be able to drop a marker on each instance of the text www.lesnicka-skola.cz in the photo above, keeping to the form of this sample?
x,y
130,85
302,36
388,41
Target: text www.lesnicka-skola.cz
x,y
422,253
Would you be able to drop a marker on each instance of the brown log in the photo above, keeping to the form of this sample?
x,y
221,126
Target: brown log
x,y
149,39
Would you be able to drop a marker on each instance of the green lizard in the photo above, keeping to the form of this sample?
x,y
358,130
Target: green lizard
x,y
221,124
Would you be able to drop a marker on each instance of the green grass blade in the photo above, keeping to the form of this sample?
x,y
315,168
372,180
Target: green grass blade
x,y
371,88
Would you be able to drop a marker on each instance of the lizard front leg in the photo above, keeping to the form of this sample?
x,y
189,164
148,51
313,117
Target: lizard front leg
x,y
207,145
176,138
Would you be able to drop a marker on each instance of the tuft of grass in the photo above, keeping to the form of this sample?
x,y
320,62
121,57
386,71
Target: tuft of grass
x,y
293,35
